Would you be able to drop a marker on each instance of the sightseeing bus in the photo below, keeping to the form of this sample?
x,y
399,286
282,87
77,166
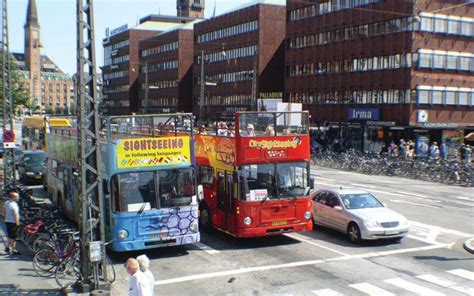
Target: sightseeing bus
x,y
256,175
34,129
148,175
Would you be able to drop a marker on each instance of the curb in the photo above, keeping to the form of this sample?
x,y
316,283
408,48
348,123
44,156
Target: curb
x,y
469,245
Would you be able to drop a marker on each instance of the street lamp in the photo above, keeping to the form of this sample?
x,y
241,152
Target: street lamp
x,y
203,83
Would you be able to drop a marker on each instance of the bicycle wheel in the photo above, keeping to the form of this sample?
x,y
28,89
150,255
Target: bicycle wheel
x,y
109,269
45,262
68,272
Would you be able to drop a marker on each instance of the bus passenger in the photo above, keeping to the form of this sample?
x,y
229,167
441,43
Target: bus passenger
x,y
249,131
269,131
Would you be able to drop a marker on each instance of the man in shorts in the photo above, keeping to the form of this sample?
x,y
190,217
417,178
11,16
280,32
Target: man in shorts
x,y
12,220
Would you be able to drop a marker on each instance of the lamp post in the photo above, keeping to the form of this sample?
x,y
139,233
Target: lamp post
x,y
203,83
253,103
145,103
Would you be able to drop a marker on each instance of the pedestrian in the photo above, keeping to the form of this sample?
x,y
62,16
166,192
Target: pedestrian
x,y
443,150
138,284
402,148
393,149
144,264
12,221
434,151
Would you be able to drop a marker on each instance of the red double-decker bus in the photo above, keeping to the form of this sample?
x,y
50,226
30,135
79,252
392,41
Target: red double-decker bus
x,y
256,174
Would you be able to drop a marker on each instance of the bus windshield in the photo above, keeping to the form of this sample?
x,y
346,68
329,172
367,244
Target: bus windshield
x,y
141,191
273,181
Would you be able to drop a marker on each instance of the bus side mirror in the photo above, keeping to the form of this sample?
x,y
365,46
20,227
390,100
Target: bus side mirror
x,y
200,192
312,183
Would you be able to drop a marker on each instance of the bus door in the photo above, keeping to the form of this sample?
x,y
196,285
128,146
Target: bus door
x,y
225,205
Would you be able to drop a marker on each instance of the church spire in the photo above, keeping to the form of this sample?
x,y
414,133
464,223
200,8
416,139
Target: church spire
x,y
32,15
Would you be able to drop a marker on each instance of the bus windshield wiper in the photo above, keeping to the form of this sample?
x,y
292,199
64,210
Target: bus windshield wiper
x,y
141,209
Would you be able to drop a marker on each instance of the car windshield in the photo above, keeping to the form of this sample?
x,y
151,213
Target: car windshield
x,y
135,192
360,201
272,181
34,159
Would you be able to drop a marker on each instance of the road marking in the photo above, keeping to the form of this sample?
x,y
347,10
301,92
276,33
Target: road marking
x,y
244,270
464,198
326,292
446,283
206,248
413,194
321,178
371,289
431,237
471,204
363,185
303,239
463,273
414,203
414,288
441,229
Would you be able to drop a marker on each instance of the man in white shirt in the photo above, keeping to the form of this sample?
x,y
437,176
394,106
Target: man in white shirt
x,y
12,220
138,284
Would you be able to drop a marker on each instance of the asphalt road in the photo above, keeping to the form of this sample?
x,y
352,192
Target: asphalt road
x,y
430,261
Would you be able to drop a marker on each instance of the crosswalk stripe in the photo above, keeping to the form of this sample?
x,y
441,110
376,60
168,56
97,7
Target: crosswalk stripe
x,y
463,273
446,283
370,289
414,288
326,292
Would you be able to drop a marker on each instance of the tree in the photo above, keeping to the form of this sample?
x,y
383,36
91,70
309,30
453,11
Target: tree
x,y
20,93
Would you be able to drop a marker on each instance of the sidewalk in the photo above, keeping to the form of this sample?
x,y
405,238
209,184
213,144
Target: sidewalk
x,y
17,276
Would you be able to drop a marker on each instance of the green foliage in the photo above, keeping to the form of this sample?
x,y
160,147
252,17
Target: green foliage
x,y
20,93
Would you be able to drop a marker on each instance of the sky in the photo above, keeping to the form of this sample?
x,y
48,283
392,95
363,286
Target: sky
x,y
57,19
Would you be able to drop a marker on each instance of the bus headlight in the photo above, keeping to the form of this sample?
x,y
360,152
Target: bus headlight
x,y
307,215
247,220
193,227
122,234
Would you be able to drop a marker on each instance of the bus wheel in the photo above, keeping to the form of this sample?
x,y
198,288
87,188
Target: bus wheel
x,y
205,218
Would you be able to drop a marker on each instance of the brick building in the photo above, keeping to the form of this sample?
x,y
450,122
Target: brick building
x,y
122,64
380,70
235,45
166,71
191,8
48,86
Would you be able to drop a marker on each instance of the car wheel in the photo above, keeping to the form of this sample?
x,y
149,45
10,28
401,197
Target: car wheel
x,y
205,218
353,232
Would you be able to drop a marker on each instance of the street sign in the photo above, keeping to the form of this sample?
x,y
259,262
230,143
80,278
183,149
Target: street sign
x,y
8,145
8,136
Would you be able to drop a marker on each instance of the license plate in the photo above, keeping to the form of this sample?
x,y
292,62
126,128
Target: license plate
x,y
391,232
155,236
38,177
278,223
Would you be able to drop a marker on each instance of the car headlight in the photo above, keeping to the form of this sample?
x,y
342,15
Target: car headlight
x,y
122,234
307,215
371,223
404,223
247,220
194,227
30,173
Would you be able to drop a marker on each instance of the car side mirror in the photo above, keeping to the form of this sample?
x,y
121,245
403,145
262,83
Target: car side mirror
x,y
200,192
338,208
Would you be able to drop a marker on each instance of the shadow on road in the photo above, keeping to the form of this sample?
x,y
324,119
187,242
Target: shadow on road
x,y
439,258
13,290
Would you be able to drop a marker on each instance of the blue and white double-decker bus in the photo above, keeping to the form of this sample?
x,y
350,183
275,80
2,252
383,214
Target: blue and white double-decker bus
x,y
149,180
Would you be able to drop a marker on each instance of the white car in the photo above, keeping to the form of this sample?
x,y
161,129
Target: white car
x,y
358,214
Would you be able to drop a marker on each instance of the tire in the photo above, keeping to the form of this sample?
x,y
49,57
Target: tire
x,y
353,232
45,262
111,276
205,222
68,272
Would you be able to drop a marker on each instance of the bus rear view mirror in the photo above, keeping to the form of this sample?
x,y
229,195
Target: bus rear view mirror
x,y
200,192
312,183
